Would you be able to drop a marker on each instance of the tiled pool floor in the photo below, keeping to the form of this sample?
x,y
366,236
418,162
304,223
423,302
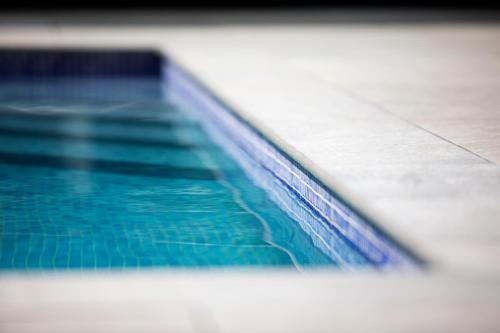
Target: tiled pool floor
x,y
100,173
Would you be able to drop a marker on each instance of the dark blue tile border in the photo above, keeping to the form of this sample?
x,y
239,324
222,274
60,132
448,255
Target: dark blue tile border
x,y
40,63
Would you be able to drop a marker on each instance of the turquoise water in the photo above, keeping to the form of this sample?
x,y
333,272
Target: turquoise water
x,y
105,174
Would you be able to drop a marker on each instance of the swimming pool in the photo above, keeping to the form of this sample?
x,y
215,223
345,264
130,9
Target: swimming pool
x,y
106,172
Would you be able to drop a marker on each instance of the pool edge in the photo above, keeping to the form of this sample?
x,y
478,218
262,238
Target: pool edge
x,y
180,81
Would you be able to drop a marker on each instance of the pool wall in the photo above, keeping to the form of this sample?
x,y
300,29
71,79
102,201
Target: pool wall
x,y
326,207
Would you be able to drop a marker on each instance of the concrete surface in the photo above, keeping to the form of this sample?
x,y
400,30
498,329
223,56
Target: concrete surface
x,y
401,119
249,302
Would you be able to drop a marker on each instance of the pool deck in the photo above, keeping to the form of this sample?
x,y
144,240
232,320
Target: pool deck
x,y
403,120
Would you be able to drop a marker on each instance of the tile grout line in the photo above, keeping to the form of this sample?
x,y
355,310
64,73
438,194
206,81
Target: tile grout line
x,y
365,100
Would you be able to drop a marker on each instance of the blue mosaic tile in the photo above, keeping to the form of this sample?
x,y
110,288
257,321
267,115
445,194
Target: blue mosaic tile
x,y
92,177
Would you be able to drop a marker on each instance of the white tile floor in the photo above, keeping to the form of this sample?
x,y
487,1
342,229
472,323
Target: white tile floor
x,y
403,120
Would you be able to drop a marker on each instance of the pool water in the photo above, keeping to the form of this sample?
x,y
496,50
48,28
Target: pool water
x,y
107,174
